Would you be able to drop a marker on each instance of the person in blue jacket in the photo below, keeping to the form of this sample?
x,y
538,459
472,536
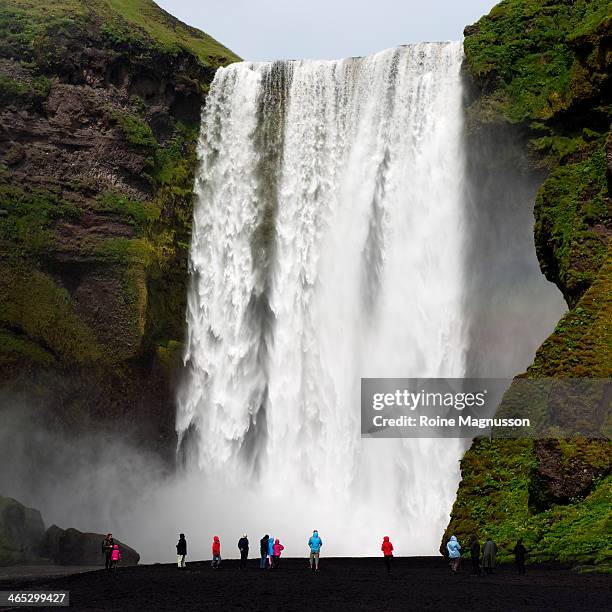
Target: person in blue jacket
x,y
315,543
270,551
454,553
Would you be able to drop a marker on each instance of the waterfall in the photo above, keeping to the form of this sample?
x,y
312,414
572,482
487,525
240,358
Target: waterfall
x,y
327,246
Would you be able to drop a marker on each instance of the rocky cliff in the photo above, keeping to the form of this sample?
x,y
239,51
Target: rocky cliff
x,y
23,540
99,113
541,70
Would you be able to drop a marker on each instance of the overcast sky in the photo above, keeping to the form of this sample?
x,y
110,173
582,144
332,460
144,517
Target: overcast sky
x,y
325,29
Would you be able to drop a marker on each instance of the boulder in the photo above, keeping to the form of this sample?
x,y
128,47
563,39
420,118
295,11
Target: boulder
x,y
73,547
22,532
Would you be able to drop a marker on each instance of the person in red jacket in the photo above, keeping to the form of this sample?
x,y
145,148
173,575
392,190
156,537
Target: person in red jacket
x,y
387,549
216,552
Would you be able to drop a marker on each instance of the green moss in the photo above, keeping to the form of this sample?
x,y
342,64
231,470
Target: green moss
x,y
134,297
126,250
558,147
10,89
580,344
569,205
32,304
169,355
169,237
523,47
28,217
19,354
136,131
17,31
141,214
603,568
595,454
175,161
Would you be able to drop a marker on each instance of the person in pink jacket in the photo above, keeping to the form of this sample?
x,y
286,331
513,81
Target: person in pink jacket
x,y
115,557
278,548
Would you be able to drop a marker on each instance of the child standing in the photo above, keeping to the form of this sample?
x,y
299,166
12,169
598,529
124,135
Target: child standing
x,y
387,550
115,557
278,548
216,552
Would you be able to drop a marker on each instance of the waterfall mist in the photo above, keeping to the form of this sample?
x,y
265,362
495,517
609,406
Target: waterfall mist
x,y
509,306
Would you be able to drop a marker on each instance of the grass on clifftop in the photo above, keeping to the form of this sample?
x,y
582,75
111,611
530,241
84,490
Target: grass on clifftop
x,y
122,22
171,33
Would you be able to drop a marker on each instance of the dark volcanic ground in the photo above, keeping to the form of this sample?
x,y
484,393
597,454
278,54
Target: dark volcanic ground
x,y
349,584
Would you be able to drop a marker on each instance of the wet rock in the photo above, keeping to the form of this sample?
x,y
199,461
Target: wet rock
x,y
73,547
22,532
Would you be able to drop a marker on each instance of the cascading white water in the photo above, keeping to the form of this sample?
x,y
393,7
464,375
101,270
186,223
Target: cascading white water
x,y
327,246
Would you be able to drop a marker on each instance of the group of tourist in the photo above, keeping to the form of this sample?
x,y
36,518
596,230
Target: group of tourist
x,y
489,555
270,550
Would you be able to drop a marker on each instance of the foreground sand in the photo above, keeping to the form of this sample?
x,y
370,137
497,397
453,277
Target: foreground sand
x,y
349,584
15,572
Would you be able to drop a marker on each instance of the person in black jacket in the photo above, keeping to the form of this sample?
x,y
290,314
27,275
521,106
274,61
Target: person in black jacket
x,y
243,547
181,550
263,551
475,555
107,550
519,556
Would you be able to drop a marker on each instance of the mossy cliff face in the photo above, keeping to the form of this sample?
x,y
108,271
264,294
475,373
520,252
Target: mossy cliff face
x,y
99,114
542,69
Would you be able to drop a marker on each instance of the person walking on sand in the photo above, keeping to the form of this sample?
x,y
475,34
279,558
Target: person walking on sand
x,y
243,547
488,556
387,550
216,552
263,551
277,549
475,555
454,553
315,543
107,550
115,558
519,556
270,552
181,551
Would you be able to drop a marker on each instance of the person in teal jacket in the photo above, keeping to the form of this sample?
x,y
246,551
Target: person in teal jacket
x,y
270,551
315,543
454,553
